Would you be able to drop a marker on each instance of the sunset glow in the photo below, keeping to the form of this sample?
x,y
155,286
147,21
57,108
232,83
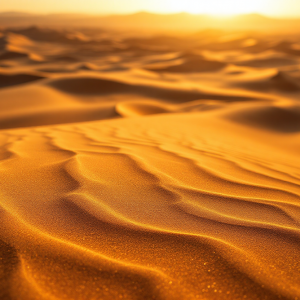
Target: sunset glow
x,y
281,8
216,7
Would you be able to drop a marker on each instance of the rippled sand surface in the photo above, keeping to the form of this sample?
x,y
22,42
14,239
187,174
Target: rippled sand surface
x,y
149,168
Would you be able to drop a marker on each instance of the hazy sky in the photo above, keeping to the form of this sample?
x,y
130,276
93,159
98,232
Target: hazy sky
x,y
268,7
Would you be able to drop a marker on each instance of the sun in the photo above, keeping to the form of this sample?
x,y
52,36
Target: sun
x,y
216,7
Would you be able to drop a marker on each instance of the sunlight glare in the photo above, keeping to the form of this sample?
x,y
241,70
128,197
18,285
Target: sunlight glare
x,y
216,7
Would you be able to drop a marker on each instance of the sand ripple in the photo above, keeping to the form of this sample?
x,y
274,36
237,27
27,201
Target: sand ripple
x,y
144,212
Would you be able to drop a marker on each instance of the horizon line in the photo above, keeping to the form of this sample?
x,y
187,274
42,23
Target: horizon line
x,y
106,14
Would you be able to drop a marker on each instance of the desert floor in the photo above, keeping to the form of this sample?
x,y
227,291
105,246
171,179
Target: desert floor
x,y
149,166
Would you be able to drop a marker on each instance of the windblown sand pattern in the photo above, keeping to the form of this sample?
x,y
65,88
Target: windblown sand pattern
x,y
160,167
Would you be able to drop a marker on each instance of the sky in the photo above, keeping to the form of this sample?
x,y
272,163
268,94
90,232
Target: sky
x,y
277,8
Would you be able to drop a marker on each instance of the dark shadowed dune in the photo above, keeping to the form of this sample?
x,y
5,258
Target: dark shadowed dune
x,y
274,118
192,66
191,62
12,55
15,79
48,35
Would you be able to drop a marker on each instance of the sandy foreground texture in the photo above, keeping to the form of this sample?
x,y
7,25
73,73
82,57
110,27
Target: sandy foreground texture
x,y
149,166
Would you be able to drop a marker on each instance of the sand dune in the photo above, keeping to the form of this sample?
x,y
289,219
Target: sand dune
x,y
12,55
285,82
191,64
141,108
271,80
15,79
269,62
161,167
271,117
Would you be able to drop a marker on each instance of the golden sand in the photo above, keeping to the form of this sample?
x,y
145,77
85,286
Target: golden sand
x,y
149,168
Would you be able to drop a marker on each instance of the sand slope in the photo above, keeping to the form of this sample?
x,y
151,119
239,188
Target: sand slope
x,y
148,173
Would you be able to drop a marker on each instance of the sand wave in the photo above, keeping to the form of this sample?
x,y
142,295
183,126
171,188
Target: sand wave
x,y
151,203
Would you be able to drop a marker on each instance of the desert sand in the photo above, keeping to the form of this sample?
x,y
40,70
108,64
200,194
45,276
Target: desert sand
x,y
149,167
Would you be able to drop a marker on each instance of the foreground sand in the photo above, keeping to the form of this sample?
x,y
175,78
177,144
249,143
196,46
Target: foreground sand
x,y
153,173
